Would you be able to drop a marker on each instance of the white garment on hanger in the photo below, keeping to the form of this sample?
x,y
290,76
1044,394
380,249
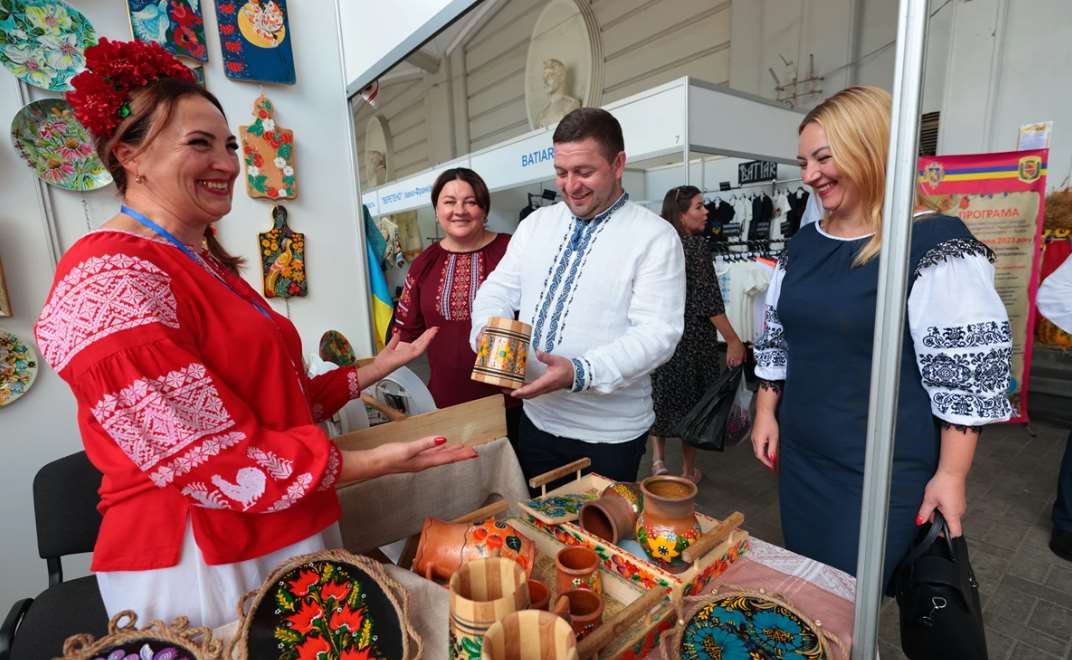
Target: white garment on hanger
x,y
739,281
813,212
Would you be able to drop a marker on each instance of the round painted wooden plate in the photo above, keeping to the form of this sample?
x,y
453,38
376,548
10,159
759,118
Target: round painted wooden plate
x,y
44,42
56,147
325,606
18,367
744,626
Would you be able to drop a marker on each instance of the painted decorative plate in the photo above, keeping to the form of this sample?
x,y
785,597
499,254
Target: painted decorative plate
x,y
742,626
18,367
557,509
56,147
336,348
329,604
43,41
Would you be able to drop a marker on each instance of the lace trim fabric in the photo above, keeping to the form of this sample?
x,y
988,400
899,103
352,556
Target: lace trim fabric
x,y
956,248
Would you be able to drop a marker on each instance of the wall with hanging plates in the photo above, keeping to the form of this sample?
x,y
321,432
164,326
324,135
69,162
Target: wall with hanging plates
x,y
40,425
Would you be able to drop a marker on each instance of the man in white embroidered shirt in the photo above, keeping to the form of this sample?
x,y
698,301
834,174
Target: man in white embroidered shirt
x,y
602,282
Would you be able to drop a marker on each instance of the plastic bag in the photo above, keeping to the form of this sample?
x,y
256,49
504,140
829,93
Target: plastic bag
x,y
705,426
739,424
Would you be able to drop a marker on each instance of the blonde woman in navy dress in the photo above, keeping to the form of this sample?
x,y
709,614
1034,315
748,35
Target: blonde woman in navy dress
x,y
815,352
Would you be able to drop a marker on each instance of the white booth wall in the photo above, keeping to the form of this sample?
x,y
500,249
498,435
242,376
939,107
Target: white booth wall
x,y
40,426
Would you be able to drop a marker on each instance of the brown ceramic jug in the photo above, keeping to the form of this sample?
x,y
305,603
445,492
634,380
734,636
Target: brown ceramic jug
x,y
444,547
613,516
668,524
577,568
582,608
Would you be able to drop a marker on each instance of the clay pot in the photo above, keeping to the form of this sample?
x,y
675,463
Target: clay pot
x,y
577,568
482,592
444,547
668,524
540,595
582,608
530,635
613,516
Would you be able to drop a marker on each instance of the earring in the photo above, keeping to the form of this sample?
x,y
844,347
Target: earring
x,y
139,179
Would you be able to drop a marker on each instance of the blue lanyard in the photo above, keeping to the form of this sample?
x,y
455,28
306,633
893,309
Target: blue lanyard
x,y
165,234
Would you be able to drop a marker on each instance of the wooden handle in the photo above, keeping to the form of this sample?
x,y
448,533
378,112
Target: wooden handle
x,y
713,537
612,629
393,414
558,473
483,513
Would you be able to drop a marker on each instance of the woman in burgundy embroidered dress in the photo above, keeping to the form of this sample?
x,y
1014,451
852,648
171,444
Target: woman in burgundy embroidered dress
x,y
192,399
442,283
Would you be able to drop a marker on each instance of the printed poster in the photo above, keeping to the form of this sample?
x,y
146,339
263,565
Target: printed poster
x,y
1000,197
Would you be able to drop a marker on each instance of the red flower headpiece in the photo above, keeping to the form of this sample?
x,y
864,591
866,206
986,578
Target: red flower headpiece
x,y
113,69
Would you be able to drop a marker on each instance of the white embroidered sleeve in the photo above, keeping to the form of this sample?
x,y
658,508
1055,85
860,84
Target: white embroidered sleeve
x,y
961,334
770,348
1055,296
656,321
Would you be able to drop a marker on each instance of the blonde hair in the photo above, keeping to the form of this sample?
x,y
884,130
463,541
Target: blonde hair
x,y
857,125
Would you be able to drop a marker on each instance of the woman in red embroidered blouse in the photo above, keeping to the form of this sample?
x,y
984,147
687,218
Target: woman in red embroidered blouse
x,y
442,282
192,397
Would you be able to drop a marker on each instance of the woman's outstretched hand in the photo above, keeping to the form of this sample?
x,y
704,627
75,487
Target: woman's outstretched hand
x,y
399,457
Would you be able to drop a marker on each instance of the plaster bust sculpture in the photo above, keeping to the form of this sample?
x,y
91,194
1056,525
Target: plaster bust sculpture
x,y
559,101
377,167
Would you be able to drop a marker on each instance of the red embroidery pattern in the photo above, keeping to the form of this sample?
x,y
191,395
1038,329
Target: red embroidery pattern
x,y
404,302
210,499
295,492
155,418
99,297
331,472
247,487
458,281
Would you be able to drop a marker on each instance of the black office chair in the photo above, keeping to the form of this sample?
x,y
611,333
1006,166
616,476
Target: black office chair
x,y
65,506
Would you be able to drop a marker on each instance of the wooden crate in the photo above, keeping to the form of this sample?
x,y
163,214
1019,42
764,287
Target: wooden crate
x,y
639,570
642,635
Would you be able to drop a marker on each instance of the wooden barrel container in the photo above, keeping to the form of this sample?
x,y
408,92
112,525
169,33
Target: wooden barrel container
x,y
530,635
482,592
503,353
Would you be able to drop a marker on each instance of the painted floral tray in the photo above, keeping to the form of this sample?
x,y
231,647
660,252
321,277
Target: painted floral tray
x,y
56,147
43,42
637,640
557,508
630,565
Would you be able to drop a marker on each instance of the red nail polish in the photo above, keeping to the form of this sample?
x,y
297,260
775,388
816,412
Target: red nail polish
x,y
919,520
440,440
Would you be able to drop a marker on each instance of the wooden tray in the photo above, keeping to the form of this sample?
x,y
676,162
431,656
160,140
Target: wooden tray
x,y
636,569
640,635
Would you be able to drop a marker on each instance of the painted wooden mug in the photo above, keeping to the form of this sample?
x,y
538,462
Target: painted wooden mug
x,y
503,353
530,635
482,592
577,568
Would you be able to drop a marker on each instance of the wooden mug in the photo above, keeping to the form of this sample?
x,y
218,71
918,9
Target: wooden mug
x,y
503,353
530,635
582,608
577,568
482,592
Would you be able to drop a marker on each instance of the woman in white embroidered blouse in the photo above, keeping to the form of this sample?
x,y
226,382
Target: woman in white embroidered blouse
x,y
816,348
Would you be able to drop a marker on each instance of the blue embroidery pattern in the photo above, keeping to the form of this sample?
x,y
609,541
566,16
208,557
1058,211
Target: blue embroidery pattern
x,y
973,335
770,348
978,373
574,248
581,370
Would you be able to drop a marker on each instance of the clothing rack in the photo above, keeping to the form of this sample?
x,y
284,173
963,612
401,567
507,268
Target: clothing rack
x,y
773,183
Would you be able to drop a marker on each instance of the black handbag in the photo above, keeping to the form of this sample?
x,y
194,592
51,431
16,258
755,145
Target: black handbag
x,y
938,598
